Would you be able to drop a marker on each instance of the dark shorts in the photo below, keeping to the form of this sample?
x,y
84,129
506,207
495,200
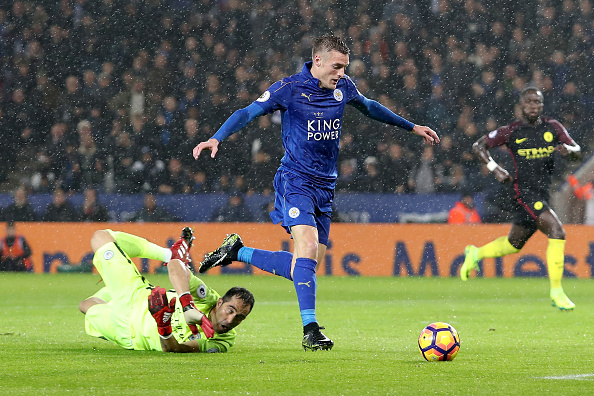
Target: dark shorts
x,y
301,202
527,210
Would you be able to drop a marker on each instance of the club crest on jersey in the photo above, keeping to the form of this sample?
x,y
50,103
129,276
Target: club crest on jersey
x,y
108,255
201,291
294,212
264,97
548,137
338,94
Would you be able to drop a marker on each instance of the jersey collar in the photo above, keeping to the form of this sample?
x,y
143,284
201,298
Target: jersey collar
x,y
306,71
541,120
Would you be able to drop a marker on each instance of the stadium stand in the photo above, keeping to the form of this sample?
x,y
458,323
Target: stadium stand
x,y
112,94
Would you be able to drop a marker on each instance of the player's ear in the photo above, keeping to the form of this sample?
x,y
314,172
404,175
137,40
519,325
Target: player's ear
x,y
219,302
317,60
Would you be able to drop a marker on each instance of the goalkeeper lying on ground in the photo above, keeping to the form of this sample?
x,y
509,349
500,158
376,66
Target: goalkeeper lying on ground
x,y
136,315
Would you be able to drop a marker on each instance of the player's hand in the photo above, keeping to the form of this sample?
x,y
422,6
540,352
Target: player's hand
x,y
193,316
502,175
428,134
210,144
562,149
161,309
573,150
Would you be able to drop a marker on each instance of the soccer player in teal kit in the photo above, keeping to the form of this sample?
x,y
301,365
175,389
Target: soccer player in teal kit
x,y
312,105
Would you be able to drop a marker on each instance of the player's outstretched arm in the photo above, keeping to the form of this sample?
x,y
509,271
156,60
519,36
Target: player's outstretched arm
x,y
180,275
379,112
480,149
237,121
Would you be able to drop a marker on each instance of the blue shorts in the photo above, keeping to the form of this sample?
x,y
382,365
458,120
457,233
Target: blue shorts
x,y
301,202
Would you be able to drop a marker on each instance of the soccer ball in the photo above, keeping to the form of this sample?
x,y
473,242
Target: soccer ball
x,y
439,341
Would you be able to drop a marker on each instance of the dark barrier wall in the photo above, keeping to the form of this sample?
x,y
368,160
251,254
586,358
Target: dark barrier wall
x,y
357,208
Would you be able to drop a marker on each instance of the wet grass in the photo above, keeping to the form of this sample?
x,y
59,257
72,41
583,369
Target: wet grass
x,y
513,341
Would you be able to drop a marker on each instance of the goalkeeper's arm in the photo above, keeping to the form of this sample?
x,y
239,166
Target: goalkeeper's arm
x,y
171,345
180,275
161,309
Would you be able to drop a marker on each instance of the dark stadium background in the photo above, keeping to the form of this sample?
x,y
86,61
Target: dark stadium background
x,y
114,94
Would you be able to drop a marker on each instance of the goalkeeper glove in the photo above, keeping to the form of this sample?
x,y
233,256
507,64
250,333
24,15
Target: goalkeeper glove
x,y
192,316
161,310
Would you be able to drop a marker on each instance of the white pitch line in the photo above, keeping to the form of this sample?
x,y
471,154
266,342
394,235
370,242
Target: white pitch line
x,y
570,377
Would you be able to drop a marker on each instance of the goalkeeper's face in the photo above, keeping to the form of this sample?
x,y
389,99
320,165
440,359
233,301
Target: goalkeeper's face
x,y
227,315
329,67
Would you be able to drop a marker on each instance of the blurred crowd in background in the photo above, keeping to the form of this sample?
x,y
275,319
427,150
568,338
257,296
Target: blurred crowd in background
x,y
112,95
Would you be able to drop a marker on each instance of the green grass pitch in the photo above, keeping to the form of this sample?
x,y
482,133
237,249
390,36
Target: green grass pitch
x,y
512,340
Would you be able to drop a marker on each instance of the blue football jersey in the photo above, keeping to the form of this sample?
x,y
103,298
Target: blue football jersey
x,y
311,122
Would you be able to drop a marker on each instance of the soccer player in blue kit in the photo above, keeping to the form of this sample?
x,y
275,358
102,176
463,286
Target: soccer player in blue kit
x,y
312,105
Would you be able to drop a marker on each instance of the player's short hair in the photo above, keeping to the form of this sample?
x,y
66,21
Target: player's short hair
x,y
242,293
528,90
329,42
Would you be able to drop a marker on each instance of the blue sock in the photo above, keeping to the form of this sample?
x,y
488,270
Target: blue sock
x,y
304,278
277,263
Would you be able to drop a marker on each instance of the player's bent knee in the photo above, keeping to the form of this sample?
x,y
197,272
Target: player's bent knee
x,y
309,249
84,305
100,238
558,234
